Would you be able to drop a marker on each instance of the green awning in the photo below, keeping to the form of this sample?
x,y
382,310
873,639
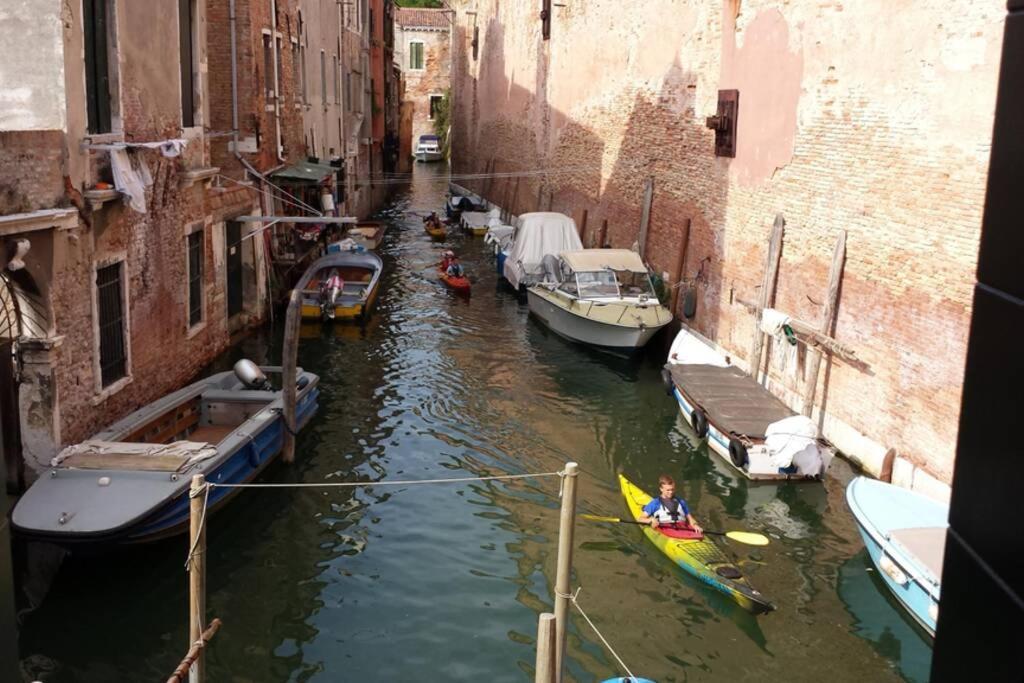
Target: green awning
x,y
305,171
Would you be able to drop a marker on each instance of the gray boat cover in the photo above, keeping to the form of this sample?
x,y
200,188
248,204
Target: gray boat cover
x,y
132,455
730,398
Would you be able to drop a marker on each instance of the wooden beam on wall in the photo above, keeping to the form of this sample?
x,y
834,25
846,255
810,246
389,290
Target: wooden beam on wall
x,y
767,294
835,276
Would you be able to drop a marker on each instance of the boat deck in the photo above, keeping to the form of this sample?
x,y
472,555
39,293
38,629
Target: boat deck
x,y
926,544
730,398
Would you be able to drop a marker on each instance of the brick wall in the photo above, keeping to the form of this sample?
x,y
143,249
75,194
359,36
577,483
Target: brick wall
x,y
433,79
880,127
32,169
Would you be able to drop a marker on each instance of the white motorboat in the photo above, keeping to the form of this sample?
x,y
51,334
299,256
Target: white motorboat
x,y
601,297
429,148
539,234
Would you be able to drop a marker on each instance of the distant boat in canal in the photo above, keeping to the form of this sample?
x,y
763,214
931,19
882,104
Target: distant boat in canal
x,y
600,297
905,534
749,427
324,298
429,148
130,482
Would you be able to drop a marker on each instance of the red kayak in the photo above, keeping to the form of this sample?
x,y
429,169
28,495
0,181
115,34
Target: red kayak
x,y
459,284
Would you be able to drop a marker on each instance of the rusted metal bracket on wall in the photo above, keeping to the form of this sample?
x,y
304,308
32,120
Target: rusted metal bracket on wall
x,y
724,123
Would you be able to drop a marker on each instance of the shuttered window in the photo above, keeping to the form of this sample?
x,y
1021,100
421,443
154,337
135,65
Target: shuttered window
x,y
195,278
416,55
110,300
185,39
96,24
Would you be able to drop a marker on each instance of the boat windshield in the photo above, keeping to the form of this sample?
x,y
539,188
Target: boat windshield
x,y
635,284
595,285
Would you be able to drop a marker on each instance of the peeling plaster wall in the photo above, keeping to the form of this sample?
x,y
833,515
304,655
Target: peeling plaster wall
x,y
32,66
869,117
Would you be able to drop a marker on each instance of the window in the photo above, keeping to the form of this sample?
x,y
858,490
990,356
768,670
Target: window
x,y
297,70
268,68
99,21
435,105
305,91
416,54
597,284
185,28
545,18
279,80
476,42
323,77
110,307
195,278
348,91
337,88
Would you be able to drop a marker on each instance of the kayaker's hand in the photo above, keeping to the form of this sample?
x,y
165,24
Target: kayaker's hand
x,y
654,522
697,528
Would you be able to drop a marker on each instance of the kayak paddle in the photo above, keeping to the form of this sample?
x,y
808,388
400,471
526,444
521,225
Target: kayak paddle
x,y
739,536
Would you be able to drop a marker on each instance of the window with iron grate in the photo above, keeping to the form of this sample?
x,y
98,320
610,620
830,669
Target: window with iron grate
x,y
110,305
195,278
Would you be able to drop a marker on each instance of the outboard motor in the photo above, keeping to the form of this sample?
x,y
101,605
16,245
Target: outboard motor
x,y
251,376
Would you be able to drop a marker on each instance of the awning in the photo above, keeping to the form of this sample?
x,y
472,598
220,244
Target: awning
x,y
305,171
590,260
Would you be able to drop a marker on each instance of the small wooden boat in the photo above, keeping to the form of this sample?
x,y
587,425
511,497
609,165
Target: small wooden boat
x,y
367,234
429,149
459,284
435,230
360,273
697,555
478,222
905,534
130,482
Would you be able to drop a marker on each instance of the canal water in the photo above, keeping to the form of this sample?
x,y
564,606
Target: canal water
x,y
445,582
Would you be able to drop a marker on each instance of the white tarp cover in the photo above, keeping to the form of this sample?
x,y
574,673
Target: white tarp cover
x,y
590,260
794,441
688,349
193,450
537,235
499,235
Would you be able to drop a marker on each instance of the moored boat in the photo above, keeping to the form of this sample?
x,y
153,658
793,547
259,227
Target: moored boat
x,y
354,293
600,297
537,235
905,535
130,482
697,556
367,234
429,148
750,428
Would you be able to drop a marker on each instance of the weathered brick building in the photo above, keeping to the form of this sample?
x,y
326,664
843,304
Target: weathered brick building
x,y
136,273
423,49
862,117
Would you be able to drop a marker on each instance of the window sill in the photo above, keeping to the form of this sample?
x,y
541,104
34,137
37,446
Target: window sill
x,y
102,138
195,329
191,177
111,390
97,198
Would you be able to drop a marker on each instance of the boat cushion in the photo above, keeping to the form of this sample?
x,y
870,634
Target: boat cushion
x,y
114,455
926,544
679,533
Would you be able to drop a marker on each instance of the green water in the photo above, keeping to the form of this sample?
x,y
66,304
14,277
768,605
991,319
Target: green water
x,y
445,582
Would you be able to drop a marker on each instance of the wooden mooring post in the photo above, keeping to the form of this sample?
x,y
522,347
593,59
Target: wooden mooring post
x,y
545,668
197,575
767,294
645,217
289,372
835,275
563,572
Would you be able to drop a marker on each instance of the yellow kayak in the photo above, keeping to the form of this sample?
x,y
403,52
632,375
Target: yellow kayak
x,y
699,557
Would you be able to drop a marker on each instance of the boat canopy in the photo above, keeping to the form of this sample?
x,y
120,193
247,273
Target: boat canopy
x,y
537,235
590,260
429,138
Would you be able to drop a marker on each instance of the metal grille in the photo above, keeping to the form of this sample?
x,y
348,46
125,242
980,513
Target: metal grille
x,y
111,311
10,325
195,278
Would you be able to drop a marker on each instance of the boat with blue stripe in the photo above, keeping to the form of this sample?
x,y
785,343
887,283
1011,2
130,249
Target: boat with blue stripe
x,y
905,535
130,482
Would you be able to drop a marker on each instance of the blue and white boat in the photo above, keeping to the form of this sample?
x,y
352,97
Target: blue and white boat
x,y
130,482
905,534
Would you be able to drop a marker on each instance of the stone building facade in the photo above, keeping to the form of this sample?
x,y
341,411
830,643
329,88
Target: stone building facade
x,y
861,117
423,50
125,271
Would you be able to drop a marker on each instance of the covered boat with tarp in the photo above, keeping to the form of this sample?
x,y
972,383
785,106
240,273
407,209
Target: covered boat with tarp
x,y
129,483
536,235
341,286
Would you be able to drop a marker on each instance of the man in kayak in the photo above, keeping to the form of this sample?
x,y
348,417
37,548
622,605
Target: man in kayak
x,y
454,268
446,259
668,508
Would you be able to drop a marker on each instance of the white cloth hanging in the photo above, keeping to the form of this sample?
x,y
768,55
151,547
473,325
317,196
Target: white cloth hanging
x,y
131,177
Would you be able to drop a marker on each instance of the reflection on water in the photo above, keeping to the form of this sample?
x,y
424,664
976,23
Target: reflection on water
x,y
446,582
